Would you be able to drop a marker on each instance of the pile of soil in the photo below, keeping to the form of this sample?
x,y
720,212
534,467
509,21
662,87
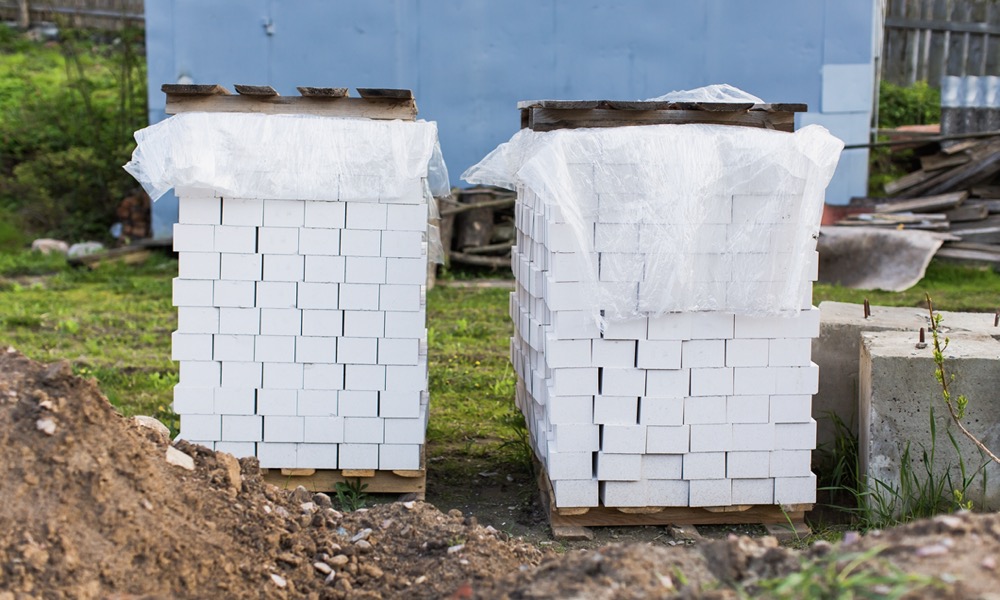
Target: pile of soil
x,y
93,509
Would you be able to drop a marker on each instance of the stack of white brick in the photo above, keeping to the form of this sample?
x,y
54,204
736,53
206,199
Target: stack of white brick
x,y
708,408
301,328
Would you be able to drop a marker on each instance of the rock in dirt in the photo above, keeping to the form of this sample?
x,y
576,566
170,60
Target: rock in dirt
x,y
232,470
179,459
46,426
152,424
84,249
48,246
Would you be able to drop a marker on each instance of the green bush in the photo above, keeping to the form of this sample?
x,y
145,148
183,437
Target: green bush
x,y
918,104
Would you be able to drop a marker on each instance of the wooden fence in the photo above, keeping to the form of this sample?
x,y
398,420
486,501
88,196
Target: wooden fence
x,y
925,40
99,14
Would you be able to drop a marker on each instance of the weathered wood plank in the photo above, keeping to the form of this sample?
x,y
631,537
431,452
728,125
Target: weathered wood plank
x,y
179,89
968,212
909,180
371,108
377,93
326,480
543,119
323,92
942,161
928,203
263,91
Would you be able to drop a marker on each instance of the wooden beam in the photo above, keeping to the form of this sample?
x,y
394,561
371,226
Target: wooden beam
x,y
322,92
928,203
370,108
179,89
545,119
256,90
394,94
936,25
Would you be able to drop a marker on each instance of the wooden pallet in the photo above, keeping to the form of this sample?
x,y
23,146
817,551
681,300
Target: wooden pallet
x,y
572,522
326,480
372,103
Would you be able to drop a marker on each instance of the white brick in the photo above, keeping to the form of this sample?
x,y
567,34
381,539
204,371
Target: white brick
x,y
795,490
357,403
790,409
323,430
790,463
575,492
358,296
237,375
242,211
624,493
577,324
704,465
316,403
274,294
319,295
364,430
283,429
284,213
616,237
570,465
280,321
623,382
790,352
403,244
357,242
238,240
632,329
312,349
711,492
796,380
358,456
670,326
564,296
746,353
748,465
406,271
192,293
199,211
621,267
406,377
362,376
402,217
567,353
317,456
319,376
319,242
366,215
235,401
322,322
805,324
654,410
668,492
616,410
398,404
397,351
574,382
753,491
194,400
748,409
200,373
753,436
366,269
703,353
326,215
364,323
276,456
283,376
753,380
284,267
399,297
668,383
276,402
239,320
357,351
711,382
198,265
613,353
705,410
571,409
242,428
190,346
325,269
662,466
239,294
241,267
576,437
619,467
404,431
795,436
274,348
194,238
197,319
278,240
237,449
623,439
716,437
659,354
399,457
712,326
201,427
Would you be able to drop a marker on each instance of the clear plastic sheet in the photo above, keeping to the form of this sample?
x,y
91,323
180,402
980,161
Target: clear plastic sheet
x,y
676,218
287,157
720,92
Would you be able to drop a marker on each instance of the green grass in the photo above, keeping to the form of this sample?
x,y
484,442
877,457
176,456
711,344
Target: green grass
x,y
953,288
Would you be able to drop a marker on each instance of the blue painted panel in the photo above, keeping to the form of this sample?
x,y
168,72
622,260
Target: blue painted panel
x,y
848,88
850,179
219,42
847,24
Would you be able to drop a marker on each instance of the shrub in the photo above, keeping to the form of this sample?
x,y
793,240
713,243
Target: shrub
x,y
918,104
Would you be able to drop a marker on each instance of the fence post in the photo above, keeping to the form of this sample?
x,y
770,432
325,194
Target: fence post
x,y
23,16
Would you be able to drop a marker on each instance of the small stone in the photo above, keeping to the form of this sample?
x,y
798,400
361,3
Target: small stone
x,y
455,513
361,535
46,426
179,459
420,580
322,500
300,495
84,249
58,370
46,404
154,424
989,563
409,505
932,550
372,571
323,568
455,548
267,509
363,545
949,521
278,580
146,504
339,560
330,578
232,467
48,246
307,507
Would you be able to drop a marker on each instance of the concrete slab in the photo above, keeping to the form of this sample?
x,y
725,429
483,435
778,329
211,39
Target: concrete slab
x,y
897,390
837,348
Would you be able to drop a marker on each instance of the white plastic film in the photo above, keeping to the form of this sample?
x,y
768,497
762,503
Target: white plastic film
x,y
675,218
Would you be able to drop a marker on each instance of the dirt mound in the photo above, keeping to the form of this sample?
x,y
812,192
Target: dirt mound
x,y
94,509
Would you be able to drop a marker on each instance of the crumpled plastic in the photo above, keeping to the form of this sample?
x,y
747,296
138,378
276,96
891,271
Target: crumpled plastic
x,y
720,92
675,218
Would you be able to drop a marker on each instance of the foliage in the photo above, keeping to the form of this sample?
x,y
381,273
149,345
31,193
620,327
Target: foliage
x,y
19,264
918,104
67,114
351,496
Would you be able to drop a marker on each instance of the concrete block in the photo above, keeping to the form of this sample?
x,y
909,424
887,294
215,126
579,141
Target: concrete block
x,y
623,382
284,267
236,376
717,437
369,377
753,381
192,293
194,400
360,242
399,298
358,456
366,215
748,409
366,269
712,382
197,319
803,325
577,437
285,376
198,265
670,326
405,324
276,402
574,382
316,403
624,493
194,238
237,449
572,409
662,466
402,217
272,294
276,456
398,404
323,430
711,325
704,465
235,239
570,465
613,353
201,427
749,352
246,212
242,267
242,428
284,213
315,349
325,215
795,436
711,492
364,323
319,242
567,353
405,378
675,383
795,490
796,380
399,456
239,320
357,351
658,354
753,436
575,493
403,244
668,492
407,271
748,465
792,409
788,352
283,429
276,240
618,467
703,353
790,463
705,410
201,373
896,391
239,294
654,410
363,430
321,376
237,348
358,296
753,491
316,456
632,329
398,351
199,211
324,323
280,321
323,296
616,410
405,431
668,439
358,403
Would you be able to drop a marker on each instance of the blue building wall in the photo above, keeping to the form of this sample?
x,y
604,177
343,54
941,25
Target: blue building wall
x,y
470,61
